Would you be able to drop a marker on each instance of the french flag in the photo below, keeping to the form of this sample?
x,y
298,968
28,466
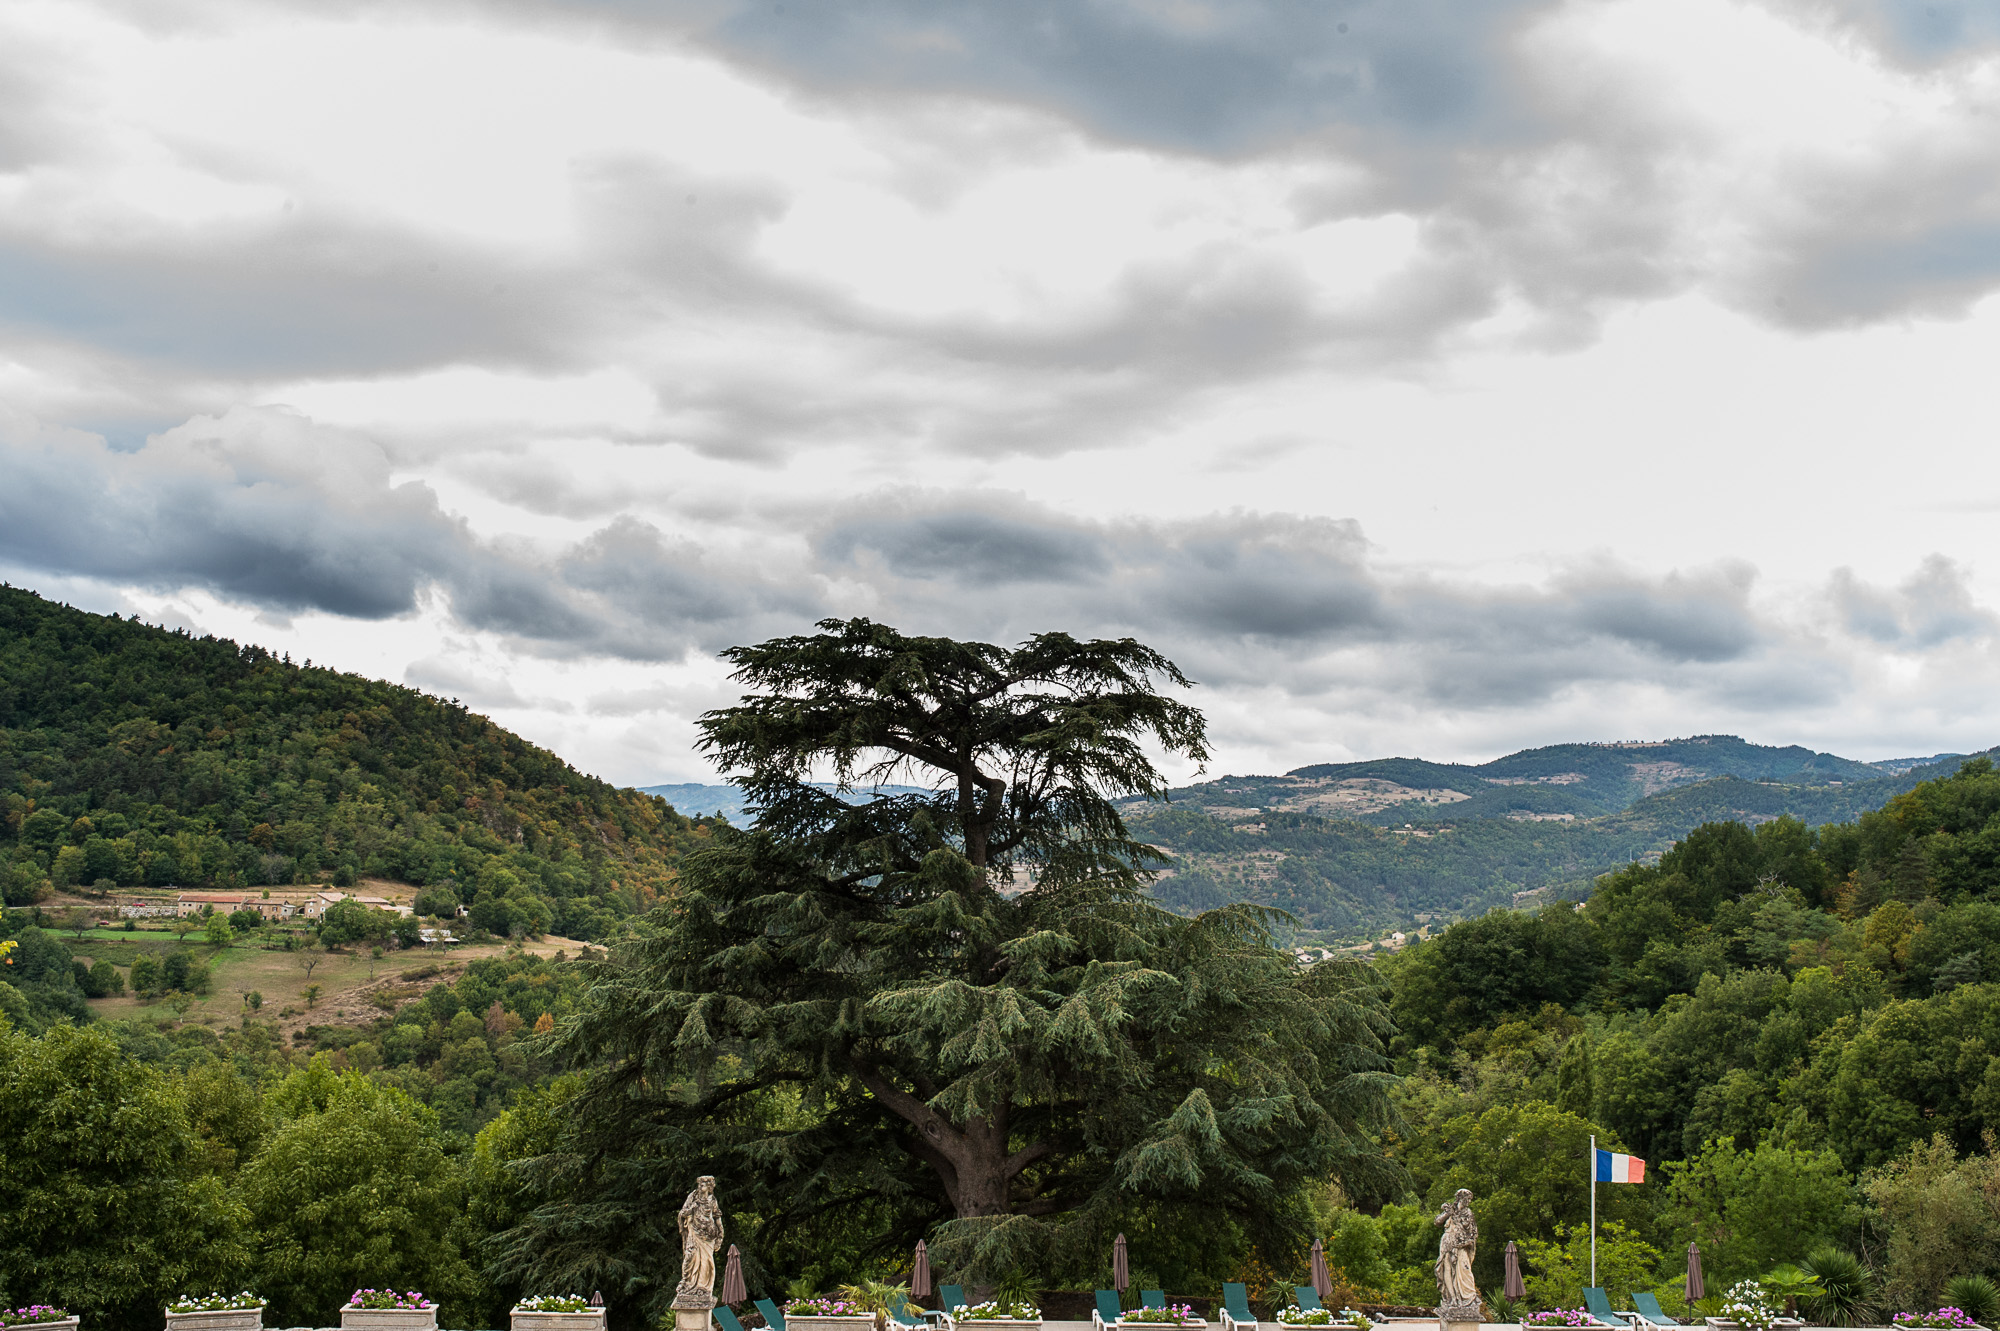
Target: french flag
x,y
1615,1168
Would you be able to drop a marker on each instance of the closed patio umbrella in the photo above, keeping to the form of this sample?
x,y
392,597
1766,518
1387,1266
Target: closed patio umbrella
x,y
1121,1266
1514,1289
1322,1279
1695,1289
920,1272
732,1278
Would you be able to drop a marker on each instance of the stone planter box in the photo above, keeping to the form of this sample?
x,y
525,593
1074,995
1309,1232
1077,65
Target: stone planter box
x,y
590,1319
811,1322
229,1319
988,1324
61,1324
389,1319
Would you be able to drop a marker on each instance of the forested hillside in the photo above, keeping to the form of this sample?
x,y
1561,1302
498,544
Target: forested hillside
x,y
1798,1028
134,755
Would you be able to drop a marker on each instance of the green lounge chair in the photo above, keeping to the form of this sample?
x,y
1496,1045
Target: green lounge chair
x,y
1107,1313
904,1313
726,1318
772,1317
1307,1297
1649,1308
1599,1305
1236,1314
950,1299
1152,1298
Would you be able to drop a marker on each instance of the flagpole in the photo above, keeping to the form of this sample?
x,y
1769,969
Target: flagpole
x,y
1593,1210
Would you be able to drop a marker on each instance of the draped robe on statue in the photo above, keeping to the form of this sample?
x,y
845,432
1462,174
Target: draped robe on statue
x,y
1455,1252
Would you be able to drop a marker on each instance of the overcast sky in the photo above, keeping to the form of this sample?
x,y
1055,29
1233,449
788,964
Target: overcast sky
x,y
1427,377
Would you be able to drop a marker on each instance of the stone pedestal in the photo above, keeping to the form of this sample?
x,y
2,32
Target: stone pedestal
x,y
1458,1324
694,1310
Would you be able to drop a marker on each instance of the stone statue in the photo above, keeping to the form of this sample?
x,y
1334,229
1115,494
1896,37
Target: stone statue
x,y
1458,1297
701,1236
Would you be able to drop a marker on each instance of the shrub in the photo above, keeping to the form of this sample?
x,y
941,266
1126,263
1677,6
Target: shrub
x,y
1976,1296
1846,1295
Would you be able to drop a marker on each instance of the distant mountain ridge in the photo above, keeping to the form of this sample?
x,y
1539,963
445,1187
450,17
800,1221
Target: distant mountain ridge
x,y
1354,849
1351,849
1577,780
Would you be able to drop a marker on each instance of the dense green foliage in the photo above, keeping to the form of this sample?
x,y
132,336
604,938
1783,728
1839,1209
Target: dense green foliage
x,y
104,1202
148,1159
1793,1025
132,755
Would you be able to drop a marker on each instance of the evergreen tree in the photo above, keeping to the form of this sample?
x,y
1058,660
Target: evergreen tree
x,y
957,1006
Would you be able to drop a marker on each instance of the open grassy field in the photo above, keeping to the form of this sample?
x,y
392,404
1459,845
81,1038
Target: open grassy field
x,y
348,979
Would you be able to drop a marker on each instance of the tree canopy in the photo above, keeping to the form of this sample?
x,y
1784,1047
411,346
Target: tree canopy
x,y
954,1014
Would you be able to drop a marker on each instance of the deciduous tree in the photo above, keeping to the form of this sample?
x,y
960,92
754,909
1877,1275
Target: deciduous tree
x,y
104,1207
352,1187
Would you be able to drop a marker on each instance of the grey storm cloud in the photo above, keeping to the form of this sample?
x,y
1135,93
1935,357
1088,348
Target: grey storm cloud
x,y
1433,96
1924,31
263,506
178,515
316,292
1207,77
1933,606
1250,597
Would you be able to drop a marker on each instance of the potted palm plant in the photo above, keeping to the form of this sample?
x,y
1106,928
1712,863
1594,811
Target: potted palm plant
x,y
556,1312
242,1311
388,1310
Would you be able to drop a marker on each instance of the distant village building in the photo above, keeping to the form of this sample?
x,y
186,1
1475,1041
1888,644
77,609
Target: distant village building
x,y
316,903
194,903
